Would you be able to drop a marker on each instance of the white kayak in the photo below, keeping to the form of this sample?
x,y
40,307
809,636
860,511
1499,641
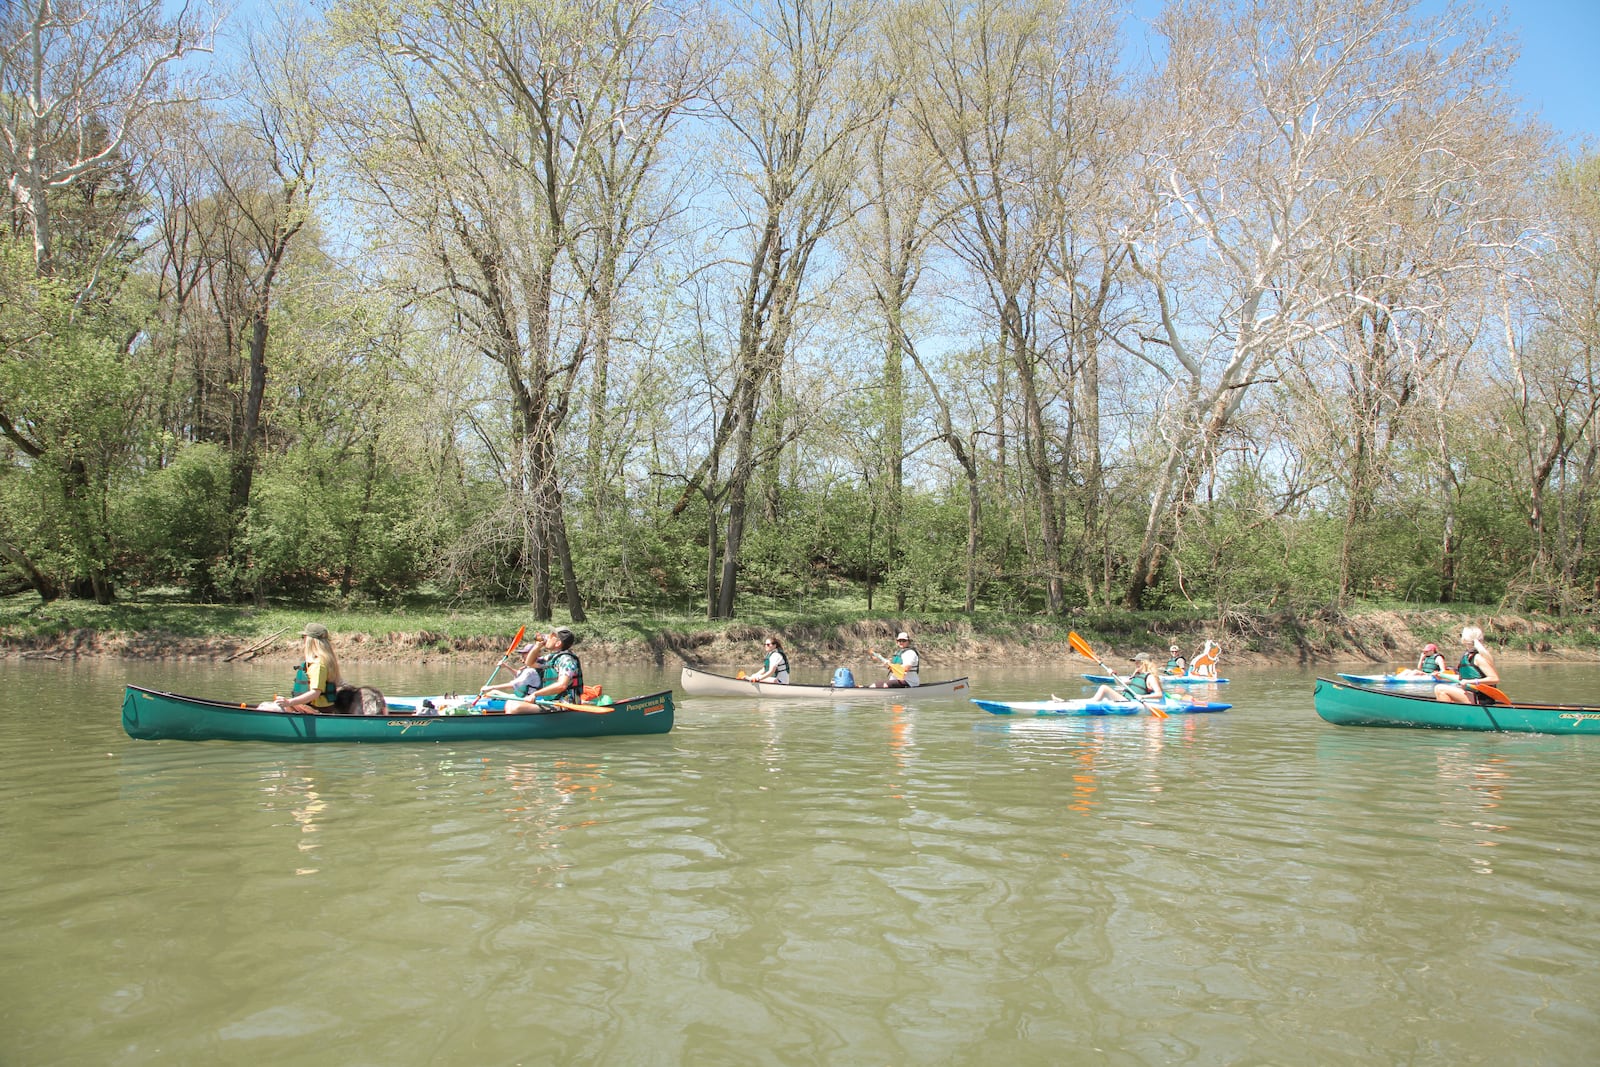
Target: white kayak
x,y
1166,679
705,684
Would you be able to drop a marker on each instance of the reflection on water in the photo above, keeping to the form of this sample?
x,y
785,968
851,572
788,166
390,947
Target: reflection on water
x,y
781,883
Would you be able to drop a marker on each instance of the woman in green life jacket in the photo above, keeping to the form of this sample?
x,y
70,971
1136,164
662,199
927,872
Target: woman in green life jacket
x,y
323,676
1476,666
1144,682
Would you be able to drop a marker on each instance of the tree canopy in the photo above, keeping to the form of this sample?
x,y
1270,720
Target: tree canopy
x,y
608,304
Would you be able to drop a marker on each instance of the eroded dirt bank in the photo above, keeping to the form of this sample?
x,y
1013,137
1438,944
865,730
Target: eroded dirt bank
x,y
1329,637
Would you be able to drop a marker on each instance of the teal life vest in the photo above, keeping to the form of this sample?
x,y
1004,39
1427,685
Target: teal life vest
x,y
1173,667
552,670
1469,667
1433,663
302,682
1140,684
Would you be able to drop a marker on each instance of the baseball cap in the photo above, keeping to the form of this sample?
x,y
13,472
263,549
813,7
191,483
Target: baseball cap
x,y
1430,647
1174,648
314,629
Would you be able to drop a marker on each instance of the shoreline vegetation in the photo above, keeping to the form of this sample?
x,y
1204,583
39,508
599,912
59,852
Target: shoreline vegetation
x,y
817,638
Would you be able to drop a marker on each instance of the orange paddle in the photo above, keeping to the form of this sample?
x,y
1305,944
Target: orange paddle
x,y
515,641
1494,693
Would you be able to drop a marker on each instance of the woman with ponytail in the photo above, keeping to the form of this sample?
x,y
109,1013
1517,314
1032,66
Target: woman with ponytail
x,y
323,677
1476,666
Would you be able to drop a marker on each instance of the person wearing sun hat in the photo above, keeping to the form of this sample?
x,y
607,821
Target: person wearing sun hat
x,y
322,674
527,679
1429,663
1176,664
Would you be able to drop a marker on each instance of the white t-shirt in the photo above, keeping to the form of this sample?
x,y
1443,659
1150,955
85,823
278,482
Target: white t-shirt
x,y
527,680
909,659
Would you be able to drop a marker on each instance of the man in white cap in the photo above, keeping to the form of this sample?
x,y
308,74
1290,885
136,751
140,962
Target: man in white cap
x,y
1176,664
902,665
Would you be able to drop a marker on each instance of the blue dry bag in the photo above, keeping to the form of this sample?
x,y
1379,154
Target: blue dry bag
x,y
843,679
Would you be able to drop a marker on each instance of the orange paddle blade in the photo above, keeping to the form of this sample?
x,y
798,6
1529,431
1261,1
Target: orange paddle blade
x,y
1080,646
1493,692
517,640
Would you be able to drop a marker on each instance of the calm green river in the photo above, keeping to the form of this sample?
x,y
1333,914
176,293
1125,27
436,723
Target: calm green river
x,y
797,884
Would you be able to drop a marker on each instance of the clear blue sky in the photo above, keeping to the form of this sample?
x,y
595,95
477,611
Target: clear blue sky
x,y
1558,75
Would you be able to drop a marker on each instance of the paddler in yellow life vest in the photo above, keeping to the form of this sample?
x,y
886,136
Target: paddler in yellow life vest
x,y
323,676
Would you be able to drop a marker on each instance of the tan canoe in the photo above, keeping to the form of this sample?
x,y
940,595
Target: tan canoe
x,y
705,684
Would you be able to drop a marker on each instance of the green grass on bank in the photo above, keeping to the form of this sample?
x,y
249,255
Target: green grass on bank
x,y
26,621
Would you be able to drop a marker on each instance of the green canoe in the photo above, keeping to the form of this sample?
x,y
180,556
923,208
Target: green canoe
x,y
150,715
1347,704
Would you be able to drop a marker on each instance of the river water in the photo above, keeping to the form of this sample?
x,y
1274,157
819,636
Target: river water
x,y
797,884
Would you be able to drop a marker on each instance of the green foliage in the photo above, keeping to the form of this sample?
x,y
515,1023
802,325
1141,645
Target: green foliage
x,y
932,568
72,391
175,521
320,517
646,559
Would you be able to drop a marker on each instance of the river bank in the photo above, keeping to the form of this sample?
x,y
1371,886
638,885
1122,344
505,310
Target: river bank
x,y
1328,637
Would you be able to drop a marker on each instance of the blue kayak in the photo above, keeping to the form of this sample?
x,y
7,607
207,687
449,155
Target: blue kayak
x,y
1397,680
1044,708
1166,679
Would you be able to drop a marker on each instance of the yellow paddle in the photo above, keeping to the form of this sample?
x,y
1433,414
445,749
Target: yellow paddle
x,y
896,669
1081,647
587,709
